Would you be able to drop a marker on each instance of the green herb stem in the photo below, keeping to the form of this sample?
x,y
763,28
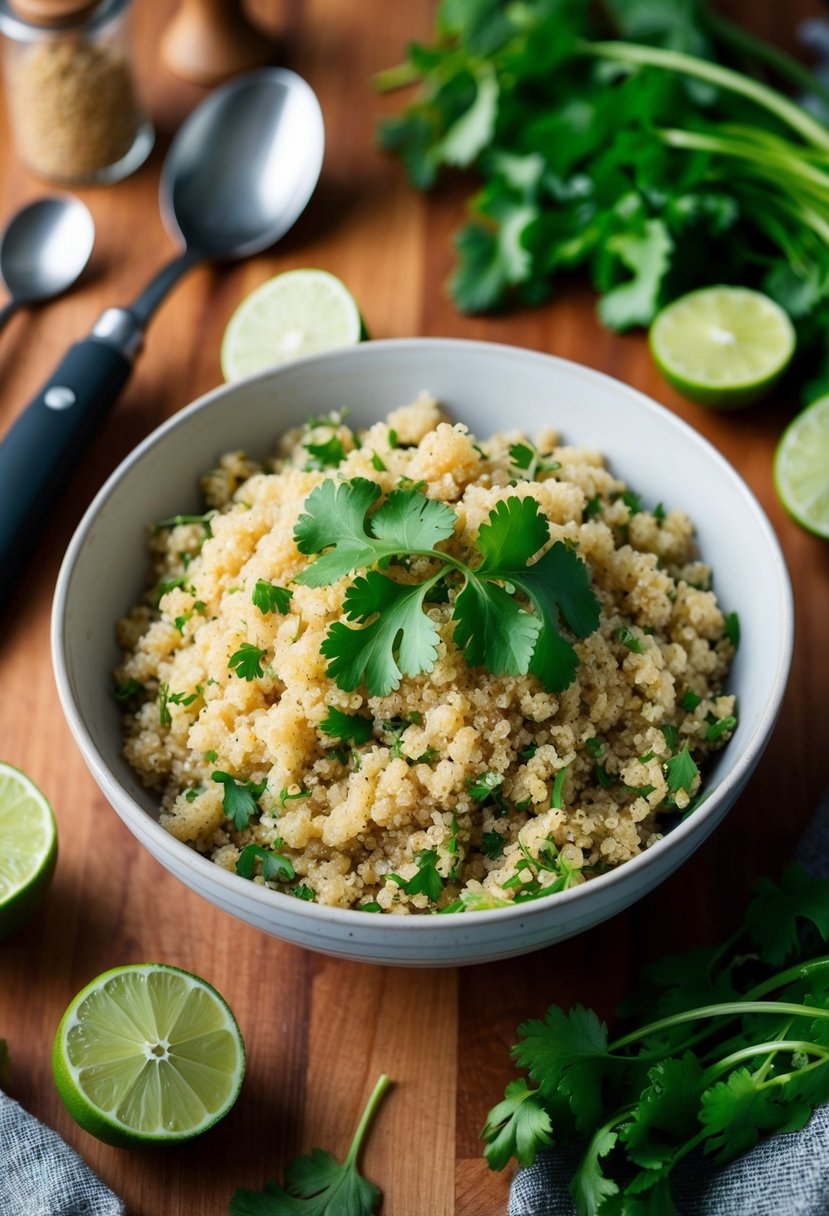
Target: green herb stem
x,y
760,1049
791,114
727,1009
365,1119
785,65
399,77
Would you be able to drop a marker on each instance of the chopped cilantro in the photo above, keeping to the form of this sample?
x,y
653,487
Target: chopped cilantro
x,y
247,661
690,701
327,454
371,906
267,597
377,463
732,629
176,521
671,735
719,727
629,639
680,771
240,799
527,460
482,787
594,506
128,691
285,796
275,867
393,440
301,891
558,789
350,728
427,881
492,845
595,747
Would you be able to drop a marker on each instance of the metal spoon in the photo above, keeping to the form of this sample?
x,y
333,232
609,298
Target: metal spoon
x,y
236,177
44,249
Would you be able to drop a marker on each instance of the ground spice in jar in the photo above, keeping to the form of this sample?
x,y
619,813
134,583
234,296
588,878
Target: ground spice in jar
x,y
72,100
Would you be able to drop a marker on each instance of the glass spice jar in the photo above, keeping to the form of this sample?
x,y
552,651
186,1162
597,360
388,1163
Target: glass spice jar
x,y
72,103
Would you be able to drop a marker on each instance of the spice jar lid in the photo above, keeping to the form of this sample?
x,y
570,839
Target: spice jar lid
x,y
51,12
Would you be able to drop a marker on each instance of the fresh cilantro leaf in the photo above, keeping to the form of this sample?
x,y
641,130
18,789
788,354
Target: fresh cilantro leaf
x,y
267,597
648,256
493,630
326,454
736,1111
484,785
247,661
590,1188
316,1184
690,700
274,865
666,1114
732,629
516,1127
775,910
629,639
492,845
680,771
301,891
427,881
335,519
400,640
350,728
566,1053
720,727
240,799
411,522
176,521
377,463
128,691
164,716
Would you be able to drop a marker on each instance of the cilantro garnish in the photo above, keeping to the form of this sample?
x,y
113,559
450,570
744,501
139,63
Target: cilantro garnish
x,y
528,461
492,845
326,454
316,1184
508,609
427,881
728,1052
680,771
732,629
349,728
629,639
247,661
483,787
274,866
176,521
128,691
267,597
240,799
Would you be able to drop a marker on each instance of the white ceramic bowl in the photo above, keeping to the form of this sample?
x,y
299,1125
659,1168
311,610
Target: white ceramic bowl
x,y
491,388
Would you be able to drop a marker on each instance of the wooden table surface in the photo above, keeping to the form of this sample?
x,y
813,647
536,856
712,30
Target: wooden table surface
x,y
320,1031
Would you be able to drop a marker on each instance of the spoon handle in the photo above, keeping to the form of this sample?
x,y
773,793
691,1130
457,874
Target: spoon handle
x,y
39,452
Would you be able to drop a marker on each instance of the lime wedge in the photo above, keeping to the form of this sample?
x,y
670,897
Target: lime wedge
x,y
300,312
722,347
801,467
28,848
148,1054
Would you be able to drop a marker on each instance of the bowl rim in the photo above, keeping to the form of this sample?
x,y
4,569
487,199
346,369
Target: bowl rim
x,y
140,822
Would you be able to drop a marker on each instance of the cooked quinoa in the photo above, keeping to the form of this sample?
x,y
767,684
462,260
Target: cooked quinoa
x,y
474,789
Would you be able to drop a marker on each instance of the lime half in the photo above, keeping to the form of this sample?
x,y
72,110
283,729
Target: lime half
x,y
28,847
722,347
801,467
148,1054
300,312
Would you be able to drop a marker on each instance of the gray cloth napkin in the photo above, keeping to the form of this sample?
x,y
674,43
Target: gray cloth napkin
x,y
40,1175
787,1175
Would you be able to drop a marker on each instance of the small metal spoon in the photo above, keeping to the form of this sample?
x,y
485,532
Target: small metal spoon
x,y
237,176
44,249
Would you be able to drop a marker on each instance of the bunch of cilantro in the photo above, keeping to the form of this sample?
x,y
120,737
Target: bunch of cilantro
x,y
735,1046
624,138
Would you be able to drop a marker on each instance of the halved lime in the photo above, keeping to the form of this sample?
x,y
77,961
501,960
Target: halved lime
x,y
722,347
28,847
148,1054
801,467
300,312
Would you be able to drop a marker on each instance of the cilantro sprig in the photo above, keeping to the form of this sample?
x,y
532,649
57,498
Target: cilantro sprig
x,y
316,1184
509,608
735,1045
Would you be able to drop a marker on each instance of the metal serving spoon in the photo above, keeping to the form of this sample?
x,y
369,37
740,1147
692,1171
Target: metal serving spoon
x,y
44,249
236,177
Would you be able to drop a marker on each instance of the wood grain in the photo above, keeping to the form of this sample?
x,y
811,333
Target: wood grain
x,y
320,1031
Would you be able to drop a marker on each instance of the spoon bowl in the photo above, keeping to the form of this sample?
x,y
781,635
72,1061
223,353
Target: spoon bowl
x,y
44,249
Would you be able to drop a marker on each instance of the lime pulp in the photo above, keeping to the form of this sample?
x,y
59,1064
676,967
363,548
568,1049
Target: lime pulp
x,y
722,347
28,848
801,467
148,1054
300,312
